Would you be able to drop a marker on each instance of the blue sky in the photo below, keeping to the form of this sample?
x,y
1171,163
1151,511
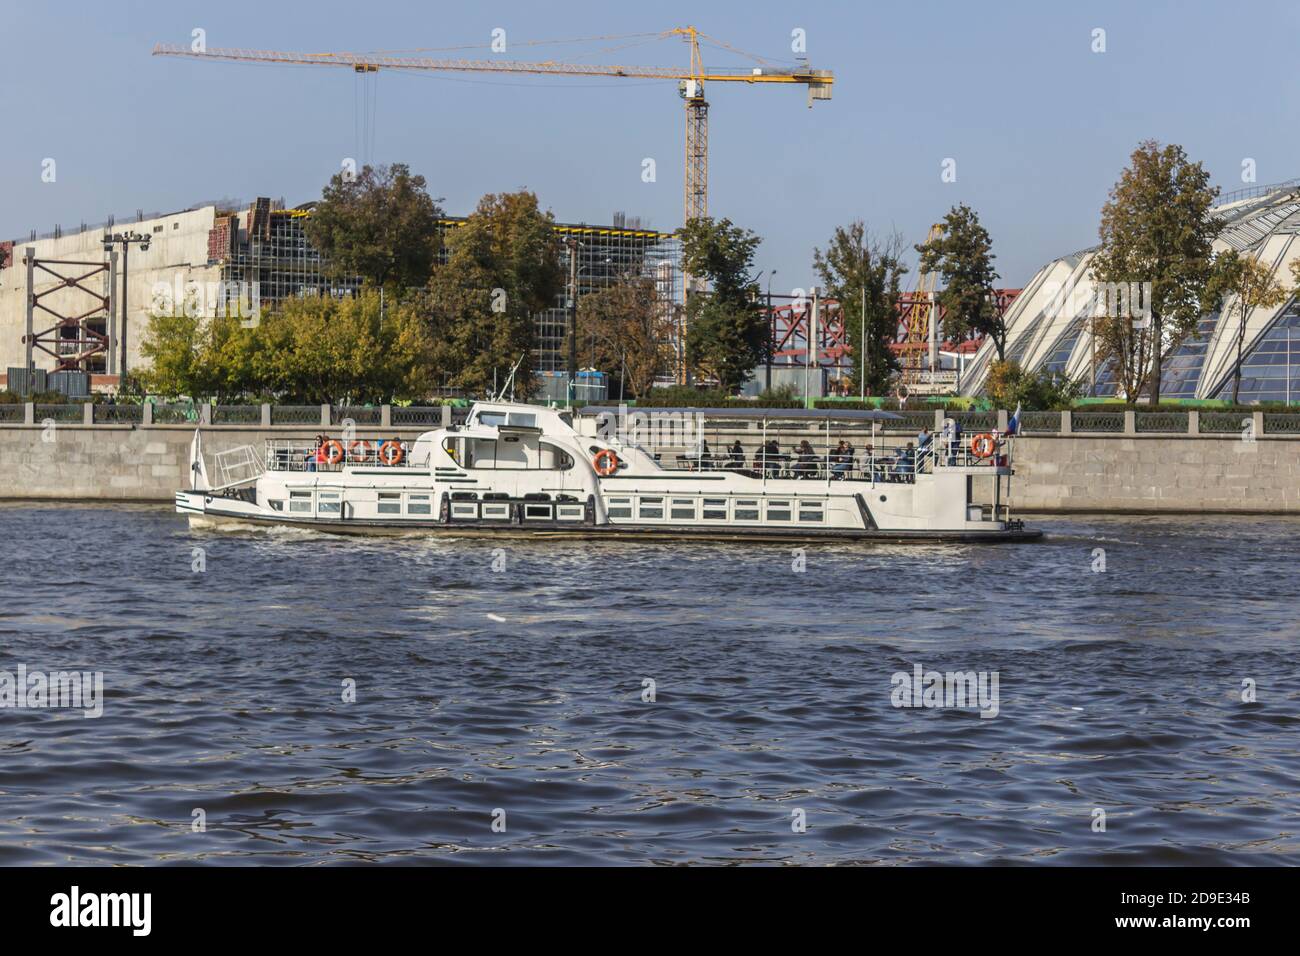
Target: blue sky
x,y
1038,123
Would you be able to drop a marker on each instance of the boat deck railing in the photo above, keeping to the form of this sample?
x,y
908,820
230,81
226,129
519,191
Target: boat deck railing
x,y
312,456
900,463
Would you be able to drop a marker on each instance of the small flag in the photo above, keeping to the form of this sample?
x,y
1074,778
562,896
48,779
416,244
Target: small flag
x,y
1013,423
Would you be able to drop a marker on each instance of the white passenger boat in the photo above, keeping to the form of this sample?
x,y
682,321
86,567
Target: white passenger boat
x,y
514,469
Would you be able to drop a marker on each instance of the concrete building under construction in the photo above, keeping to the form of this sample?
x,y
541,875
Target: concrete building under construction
x,y
72,319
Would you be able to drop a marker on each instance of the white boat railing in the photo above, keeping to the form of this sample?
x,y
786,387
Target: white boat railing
x,y
311,456
237,466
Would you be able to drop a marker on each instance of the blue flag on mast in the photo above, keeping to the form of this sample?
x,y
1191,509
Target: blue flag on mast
x,y
1013,423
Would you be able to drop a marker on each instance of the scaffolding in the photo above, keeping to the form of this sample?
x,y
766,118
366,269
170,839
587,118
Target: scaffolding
x,y
606,255
271,255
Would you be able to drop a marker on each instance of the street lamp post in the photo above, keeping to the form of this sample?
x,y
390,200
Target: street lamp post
x,y
124,239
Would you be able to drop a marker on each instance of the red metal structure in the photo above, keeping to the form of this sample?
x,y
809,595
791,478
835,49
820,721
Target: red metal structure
x,y
790,322
78,339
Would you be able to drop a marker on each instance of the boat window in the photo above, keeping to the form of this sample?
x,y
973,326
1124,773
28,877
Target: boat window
x,y
328,503
452,447
618,507
778,511
417,505
811,511
276,505
683,509
715,509
747,510
300,501
555,459
522,419
570,512
390,503
650,507
496,511
492,419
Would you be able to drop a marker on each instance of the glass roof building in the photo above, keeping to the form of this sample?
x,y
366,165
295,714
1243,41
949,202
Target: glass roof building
x,y
1050,328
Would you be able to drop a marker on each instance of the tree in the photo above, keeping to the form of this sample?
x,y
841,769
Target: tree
x,y
864,273
1010,386
379,224
312,350
621,328
1156,233
503,265
726,332
962,255
1251,285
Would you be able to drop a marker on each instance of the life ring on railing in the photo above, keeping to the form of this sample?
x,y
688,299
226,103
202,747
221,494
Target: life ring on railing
x,y
391,454
983,446
605,463
361,450
333,452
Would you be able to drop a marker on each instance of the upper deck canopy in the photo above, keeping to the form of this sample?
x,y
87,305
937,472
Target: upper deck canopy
x,y
812,414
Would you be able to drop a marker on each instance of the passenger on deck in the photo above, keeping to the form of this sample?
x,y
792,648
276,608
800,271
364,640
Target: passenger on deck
x,y
806,460
904,466
842,459
737,455
923,442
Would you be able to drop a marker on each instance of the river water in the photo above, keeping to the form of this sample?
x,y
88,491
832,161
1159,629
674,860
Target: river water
x,y
504,713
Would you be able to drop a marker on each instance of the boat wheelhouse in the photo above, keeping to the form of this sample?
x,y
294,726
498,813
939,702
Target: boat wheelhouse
x,y
514,469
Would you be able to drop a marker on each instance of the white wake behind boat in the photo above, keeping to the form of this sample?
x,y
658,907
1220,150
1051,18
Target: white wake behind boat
x,y
515,469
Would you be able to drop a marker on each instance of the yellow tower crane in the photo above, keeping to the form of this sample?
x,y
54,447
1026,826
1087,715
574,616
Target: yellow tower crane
x,y
691,83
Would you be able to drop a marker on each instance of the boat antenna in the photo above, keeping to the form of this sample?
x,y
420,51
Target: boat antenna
x,y
510,380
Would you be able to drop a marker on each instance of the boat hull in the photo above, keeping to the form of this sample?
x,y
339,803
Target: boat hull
x,y
208,519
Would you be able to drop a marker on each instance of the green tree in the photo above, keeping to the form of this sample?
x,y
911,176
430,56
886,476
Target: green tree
x,y
314,350
1156,232
1251,285
864,273
379,224
503,265
726,331
620,329
1009,386
963,257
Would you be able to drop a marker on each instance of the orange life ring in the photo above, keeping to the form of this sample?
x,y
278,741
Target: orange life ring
x,y
361,450
390,453
333,452
983,446
605,463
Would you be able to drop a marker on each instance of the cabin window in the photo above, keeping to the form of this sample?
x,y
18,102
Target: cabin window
x,y
329,503
461,509
570,512
390,503
778,511
555,459
618,507
715,509
683,509
496,511
418,505
812,511
276,505
492,419
300,501
650,508
537,511
747,510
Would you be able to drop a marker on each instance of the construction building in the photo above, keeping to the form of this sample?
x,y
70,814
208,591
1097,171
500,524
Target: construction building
x,y
229,254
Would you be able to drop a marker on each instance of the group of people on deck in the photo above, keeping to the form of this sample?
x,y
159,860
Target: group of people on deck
x,y
804,461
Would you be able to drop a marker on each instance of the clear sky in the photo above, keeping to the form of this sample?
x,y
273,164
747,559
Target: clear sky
x,y
1038,123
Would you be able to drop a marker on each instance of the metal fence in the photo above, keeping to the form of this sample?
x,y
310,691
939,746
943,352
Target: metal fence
x,y
1160,422
358,414
118,414
1097,422
294,415
1281,423
416,414
240,415
71,414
